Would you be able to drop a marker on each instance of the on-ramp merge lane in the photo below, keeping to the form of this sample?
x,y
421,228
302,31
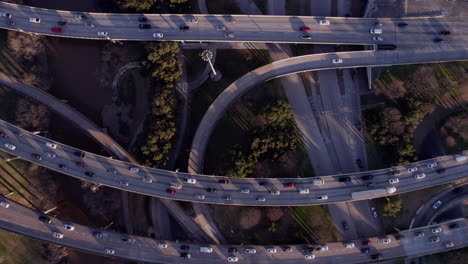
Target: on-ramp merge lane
x,y
19,219
281,29
100,169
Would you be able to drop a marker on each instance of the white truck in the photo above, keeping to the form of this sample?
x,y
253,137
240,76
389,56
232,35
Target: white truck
x,y
372,193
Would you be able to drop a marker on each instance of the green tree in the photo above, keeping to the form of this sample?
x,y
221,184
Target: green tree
x,y
137,5
392,207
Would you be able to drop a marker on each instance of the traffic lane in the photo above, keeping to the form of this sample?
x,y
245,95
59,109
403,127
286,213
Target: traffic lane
x,y
335,249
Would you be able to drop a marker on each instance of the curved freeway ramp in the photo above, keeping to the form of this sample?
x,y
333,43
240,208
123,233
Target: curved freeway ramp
x,y
208,189
22,220
306,63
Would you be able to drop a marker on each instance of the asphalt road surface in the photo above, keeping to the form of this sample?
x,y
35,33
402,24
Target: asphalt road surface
x,y
156,182
19,219
237,28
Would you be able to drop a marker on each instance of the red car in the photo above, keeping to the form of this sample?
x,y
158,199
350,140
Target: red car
x,y
171,191
367,243
290,184
57,30
305,29
80,164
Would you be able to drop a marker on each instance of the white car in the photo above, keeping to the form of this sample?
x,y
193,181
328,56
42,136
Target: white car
x,y
102,33
158,35
220,28
229,35
134,169
232,259
304,191
377,38
436,230
271,250
324,22
394,180
162,245
69,227
51,145
374,212
245,191
335,61
311,256
147,180
122,182
200,196
10,146
322,248
57,235
50,155
7,15
385,240
34,20
4,204
420,176
251,250
448,244
413,169
109,251
275,192
432,165
192,20
322,197
349,245
191,180
260,199
436,204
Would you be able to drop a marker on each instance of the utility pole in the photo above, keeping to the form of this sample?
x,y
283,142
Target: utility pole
x,y
10,159
207,55
50,210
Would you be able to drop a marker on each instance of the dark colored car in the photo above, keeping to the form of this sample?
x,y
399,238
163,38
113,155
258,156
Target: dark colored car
x,y
394,172
366,243
287,249
184,248
365,250
367,177
184,28
171,191
3,135
44,219
36,156
345,225
386,47
308,249
18,133
306,36
344,179
232,250
441,170
444,33
454,226
211,189
57,30
359,163
142,19
62,23
419,234
264,183
457,190
399,237
90,174
402,24
227,197
377,24
290,184
63,167
98,234
10,22
377,256
186,255
437,40
145,26
80,154
370,184
80,164
223,181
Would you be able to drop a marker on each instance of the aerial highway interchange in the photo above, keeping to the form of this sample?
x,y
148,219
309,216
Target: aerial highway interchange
x,y
289,191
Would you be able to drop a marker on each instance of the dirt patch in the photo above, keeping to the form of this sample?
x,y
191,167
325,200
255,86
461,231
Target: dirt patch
x,y
250,217
274,213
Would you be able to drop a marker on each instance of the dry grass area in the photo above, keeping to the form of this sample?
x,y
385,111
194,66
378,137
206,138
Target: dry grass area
x,y
276,225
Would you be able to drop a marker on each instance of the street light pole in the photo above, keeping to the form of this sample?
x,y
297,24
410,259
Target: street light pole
x,y
207,55
10,159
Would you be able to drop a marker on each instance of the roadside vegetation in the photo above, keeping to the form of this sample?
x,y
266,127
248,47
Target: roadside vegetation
x,y
454,130
410,93
272,135
166,69
151,6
